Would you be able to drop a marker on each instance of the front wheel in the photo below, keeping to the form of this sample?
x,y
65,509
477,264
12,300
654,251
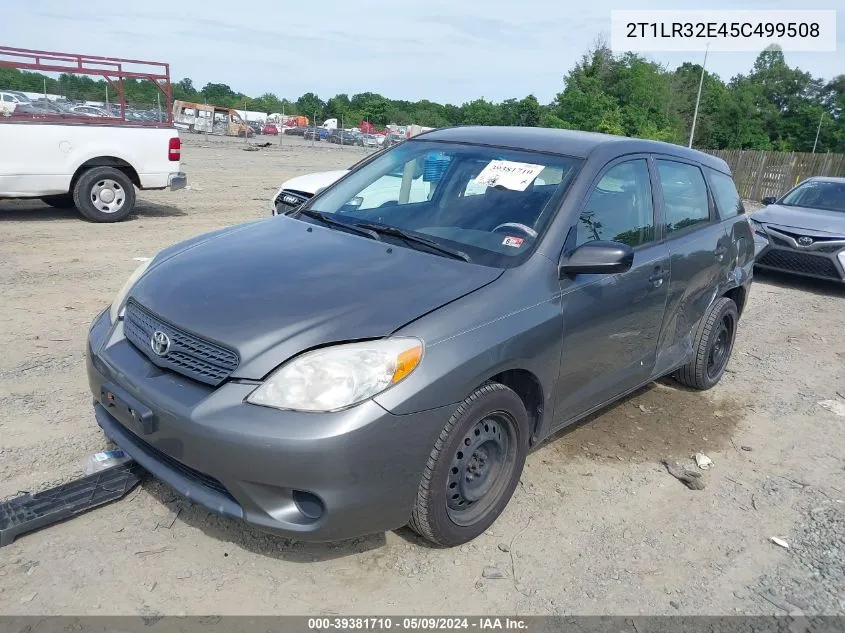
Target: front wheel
x,y
713,345
473,468
104,194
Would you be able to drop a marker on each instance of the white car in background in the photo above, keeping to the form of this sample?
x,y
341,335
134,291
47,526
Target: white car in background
x,y
12,97
86,110
300,189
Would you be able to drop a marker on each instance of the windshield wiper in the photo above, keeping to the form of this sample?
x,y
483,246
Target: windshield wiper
x,y
415,239
355,228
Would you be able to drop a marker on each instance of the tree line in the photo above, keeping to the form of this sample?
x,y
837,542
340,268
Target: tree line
x,y
772,107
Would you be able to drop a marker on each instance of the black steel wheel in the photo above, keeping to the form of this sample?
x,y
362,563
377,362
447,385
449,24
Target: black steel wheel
x,y
719,346
714,343
473,468
481,468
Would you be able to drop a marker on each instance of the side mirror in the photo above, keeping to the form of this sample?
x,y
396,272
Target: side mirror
x,y
769,200
597,258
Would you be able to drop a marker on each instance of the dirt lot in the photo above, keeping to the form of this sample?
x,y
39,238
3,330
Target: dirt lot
x,y
597,526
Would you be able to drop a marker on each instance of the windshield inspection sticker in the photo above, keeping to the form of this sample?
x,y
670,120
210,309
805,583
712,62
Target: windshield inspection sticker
x,y
514,242
508,174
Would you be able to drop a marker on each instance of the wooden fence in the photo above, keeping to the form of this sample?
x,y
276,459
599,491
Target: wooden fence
x,y
758,173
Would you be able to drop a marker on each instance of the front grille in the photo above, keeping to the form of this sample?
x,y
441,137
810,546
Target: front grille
x,y
207,481
188,355
796,236
816,238
798,262
288,200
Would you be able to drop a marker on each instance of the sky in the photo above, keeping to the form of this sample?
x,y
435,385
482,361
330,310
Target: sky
x,y
448,51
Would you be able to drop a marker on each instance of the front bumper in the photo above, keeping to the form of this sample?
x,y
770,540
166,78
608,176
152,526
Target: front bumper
x,y
310,476
822,259
178,180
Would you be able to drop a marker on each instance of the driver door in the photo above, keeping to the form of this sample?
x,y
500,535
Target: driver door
x,y
612,321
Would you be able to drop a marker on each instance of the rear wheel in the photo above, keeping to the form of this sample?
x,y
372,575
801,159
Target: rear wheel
x,y
714,343
104,194
62,201
473,468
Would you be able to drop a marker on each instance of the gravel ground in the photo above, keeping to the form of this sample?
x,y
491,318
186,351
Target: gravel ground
x,y
598,526
812,579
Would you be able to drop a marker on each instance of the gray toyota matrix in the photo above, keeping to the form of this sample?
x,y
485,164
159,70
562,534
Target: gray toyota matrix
x,y
388,352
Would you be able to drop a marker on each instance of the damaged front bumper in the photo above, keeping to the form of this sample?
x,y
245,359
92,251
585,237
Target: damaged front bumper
x,y
311,476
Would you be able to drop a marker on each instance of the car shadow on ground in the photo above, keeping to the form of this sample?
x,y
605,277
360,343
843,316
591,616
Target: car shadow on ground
x,y
37,211
144,209
808,284
662,420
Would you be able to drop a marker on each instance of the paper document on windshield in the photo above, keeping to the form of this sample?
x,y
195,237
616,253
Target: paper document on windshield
x,y
508,174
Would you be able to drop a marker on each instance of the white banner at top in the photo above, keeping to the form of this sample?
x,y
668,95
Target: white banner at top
x,y
723,30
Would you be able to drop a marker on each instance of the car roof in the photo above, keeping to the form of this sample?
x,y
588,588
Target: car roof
x,y
573,143
835,179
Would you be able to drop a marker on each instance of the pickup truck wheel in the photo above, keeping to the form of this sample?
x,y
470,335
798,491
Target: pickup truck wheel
x,y
713,345
104,194
473,468
62,201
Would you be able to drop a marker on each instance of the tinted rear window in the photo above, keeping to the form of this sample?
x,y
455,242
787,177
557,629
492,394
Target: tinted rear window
x,y
728,201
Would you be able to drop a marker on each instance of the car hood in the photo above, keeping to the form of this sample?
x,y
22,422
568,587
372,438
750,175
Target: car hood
x,y
813,220
312,183
277,287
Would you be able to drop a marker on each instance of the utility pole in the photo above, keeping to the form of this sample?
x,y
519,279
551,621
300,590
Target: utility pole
x,y
315,129
282,126
698,98
818,130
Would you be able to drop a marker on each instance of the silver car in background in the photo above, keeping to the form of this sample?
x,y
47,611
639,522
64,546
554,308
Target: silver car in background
x,y
805,229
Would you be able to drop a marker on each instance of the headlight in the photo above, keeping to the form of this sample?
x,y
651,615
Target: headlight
x,y
340,376
273,200
117,305
757,227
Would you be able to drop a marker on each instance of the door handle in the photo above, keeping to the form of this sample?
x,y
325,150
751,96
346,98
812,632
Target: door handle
x,y
657,277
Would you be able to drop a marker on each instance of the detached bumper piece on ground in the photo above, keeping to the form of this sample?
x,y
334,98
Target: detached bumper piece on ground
x,y
29,512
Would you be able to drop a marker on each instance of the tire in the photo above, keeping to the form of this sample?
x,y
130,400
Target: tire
x,y
714,343
473,468
61,201
91,197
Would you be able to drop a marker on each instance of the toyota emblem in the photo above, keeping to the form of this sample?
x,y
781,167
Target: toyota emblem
x,y
805,240
160,343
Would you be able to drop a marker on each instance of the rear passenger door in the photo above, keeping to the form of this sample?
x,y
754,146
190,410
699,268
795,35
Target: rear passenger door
x,y
732,215
612,322
699,251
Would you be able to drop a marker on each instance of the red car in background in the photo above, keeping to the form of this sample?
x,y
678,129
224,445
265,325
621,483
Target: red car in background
x,y
270,128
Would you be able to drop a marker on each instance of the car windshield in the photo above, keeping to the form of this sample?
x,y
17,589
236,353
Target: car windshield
x,y
489,203
817,194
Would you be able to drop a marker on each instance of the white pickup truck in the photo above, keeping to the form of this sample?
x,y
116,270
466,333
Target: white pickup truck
x,y
91,166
